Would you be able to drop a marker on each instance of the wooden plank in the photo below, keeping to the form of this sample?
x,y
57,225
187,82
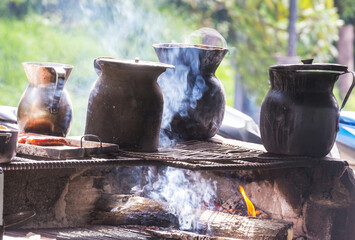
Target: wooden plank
x,y
131,210
70,151
173,234
227,225
115,210
90,232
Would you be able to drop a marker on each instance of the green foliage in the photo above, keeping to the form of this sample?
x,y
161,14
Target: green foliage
x,y
226,72
317,40
346,9
76,31
257,30
33,39
78,37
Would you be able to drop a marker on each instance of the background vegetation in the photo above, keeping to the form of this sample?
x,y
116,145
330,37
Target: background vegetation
x,y
76,31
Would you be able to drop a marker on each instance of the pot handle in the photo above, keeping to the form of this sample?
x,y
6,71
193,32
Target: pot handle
x,y
60,75
97,67
349,91
91,135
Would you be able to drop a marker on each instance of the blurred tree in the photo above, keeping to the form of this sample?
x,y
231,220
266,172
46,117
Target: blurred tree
x,y
257,30
292,34
75,32
346,10
65,30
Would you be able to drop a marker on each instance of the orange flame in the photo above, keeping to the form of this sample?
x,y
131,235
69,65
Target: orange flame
x,y
250,206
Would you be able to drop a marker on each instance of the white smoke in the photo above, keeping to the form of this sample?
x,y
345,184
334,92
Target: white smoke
x,y
206,36
180,92
183,86
185,191
122,29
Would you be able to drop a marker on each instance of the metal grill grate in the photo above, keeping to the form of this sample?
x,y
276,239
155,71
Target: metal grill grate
x,y
194,155
211,155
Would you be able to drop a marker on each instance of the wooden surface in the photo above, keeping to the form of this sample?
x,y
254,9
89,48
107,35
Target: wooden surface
x,y
83,233
72,150
117,210
178,235
131,210
227,225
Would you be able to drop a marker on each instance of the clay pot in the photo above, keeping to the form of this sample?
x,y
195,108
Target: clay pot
x,y
125,105
300,115
194,96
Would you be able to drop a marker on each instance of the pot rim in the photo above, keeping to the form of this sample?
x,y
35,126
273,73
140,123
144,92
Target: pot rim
x,y
187,45
136,63
49,64
316,67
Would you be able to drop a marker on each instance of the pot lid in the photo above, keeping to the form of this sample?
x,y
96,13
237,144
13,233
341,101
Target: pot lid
x,y
186,45
308,66
136,63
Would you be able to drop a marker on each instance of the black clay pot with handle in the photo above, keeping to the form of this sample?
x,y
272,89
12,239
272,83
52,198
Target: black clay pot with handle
x,y
300,115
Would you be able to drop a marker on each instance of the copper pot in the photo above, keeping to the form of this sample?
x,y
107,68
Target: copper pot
x,y
45,106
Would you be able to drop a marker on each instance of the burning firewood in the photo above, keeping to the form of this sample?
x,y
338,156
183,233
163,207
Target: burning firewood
x,y
117,210
227,225
133,210
173,234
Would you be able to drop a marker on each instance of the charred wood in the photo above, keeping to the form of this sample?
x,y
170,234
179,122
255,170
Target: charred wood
x,y
133,210
117,210
227,225
173,234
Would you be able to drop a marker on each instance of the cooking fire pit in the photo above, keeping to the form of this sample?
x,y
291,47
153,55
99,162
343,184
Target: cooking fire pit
x,y
313,197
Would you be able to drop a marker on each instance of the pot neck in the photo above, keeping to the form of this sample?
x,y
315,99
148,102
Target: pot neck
x,y
113,74
303,81
45,73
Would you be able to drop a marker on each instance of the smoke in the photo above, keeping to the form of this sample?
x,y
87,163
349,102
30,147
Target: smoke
x,y
185,85
122,29
126,29
185,191
206,36
180,91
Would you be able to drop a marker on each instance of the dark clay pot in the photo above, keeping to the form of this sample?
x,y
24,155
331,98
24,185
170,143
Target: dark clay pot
x,y
194,96
300,115
126,104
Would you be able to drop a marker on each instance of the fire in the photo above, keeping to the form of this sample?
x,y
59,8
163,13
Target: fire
x,y
250,206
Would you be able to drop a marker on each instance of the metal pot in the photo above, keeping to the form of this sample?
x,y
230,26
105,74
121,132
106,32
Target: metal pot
x,y
8,144
300,115
45,107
